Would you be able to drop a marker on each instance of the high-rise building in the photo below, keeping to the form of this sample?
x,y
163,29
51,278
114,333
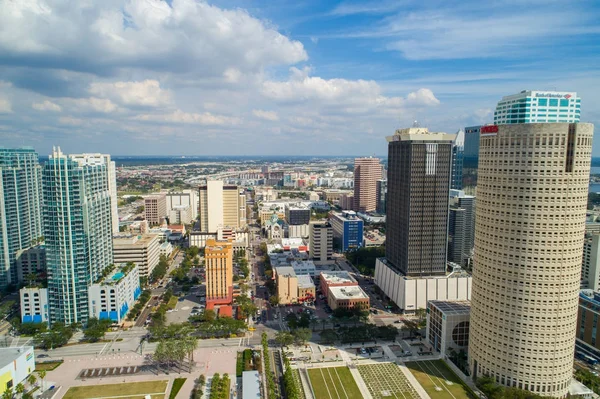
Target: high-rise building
x,y
155,209
77,230
142,249
419,164
471,156
221,205
297,214
461,230
590,270
366,173
31,262
112,183
321,242
182,207
218,257
458,151
348,229
530,221
381,195
530,106
20,207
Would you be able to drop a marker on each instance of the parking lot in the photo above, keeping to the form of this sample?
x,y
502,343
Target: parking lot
x,y
184,308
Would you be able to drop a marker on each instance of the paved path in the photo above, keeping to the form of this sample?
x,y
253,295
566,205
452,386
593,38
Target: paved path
x,y
361,383
413,381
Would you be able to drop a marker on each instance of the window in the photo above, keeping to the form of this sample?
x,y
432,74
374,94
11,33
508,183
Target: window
x,y
554,102
564,102
542,101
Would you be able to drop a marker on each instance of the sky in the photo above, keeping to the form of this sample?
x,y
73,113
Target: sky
x,y
303,77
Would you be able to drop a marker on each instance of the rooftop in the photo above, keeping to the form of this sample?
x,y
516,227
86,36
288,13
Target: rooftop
x,y
140,240
8,355
286,271
304,281
452,307
250,385
351,292
338,277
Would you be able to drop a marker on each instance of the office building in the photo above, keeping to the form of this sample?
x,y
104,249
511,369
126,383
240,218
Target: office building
x,y
530,221
20,207
339,278
218,257
221,205
590,268
111,175
367,171
143,250
16,364
346,201
287,285
34,305
347,298
471,156
113,296
458,153
461,230
347,230
381,196
155,209
419,165
297,214
321,242
185,203
448,326
77,230
31,264
530,106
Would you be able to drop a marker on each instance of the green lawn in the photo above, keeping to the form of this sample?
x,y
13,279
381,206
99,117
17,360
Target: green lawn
x,y
130,390
333,383
298,381
386,380
48,366
438,380
177,384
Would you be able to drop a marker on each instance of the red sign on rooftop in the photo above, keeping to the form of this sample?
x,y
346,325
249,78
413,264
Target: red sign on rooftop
x,y
489,129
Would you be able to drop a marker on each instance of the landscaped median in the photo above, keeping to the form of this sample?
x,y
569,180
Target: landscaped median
x,y
439,381
333,382
130,390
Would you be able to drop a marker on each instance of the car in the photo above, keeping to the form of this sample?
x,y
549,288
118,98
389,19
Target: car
x,y
397,322
181,299
40,356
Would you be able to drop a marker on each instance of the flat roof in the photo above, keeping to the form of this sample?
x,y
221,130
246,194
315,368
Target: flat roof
x,y
287,271
134,239
452,307
337,277
250,385
9,355
351,292
304,281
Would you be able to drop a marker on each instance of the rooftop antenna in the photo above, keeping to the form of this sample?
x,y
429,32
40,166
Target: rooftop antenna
x,y
416,123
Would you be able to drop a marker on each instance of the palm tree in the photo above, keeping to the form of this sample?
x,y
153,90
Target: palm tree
x,y
31,379
42,375
8,394
19,389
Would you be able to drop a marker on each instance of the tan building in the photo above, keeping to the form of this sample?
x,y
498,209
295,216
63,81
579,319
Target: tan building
x,y
532,188
218,257
347,201
306,288
155,209
321,242
143,250
338,278
221,205
287,285
367,171
347,298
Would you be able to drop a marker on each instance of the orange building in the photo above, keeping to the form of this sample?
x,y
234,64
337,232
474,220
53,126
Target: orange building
x,y
367,171
218,256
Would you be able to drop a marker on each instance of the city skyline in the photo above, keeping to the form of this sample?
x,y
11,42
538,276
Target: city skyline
x,y
337,74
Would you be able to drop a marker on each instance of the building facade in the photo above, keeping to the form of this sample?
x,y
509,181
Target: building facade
x,y
381,196
347,298
458,154
34,305
77,230
461,231
20,207
321,242
31,262
419,166
471,156
530,222
347,229
143,250
16,364
218,257
221,205
186,199
590,268
448,325
339,278
530,106
155,209
113,296
367,171
287,285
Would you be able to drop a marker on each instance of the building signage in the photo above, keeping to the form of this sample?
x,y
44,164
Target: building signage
x,y
490,130
553,95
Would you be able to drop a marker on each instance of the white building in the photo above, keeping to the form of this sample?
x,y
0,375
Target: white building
x,y
251,385
34,305
304,267
166,249
448,325
184,200
298,231
112,297
16,364
530,106
412,293
143,250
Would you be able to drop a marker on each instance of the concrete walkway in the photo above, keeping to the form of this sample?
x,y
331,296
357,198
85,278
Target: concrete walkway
x,y
360,382
413,381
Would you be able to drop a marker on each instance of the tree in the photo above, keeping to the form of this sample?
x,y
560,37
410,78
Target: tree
x,y
31,379
328,336
274,300
7,394
284,338
42,374
19,389
96,329
301,335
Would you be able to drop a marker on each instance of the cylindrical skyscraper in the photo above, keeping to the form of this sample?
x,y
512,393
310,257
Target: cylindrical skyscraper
x,y
532,191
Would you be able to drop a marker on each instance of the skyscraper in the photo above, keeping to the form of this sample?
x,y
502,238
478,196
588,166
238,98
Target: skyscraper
x,y
461,231
538,107
77,230
530,222
320,242
458,151
419,165
219,272
221,205
20,210
367,171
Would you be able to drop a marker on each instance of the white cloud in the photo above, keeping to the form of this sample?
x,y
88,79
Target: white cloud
x,y
5,106
68,120
47,105
179,116
422,97
92,104
143,93
266,115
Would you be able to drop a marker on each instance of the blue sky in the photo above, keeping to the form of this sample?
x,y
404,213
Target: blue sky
x,y
299,77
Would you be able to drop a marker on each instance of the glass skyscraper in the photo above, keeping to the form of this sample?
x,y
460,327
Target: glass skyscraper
x,y
20,211
458,153
538,107
78,231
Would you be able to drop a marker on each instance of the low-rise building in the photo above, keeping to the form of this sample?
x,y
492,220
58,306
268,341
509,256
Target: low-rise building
x,y
448,325
287,285
166,248
143,250
306,288
31,261
347,298
251,385
113,296
16,364
338,278
374,238
347,230
304,267
155,209
34,305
